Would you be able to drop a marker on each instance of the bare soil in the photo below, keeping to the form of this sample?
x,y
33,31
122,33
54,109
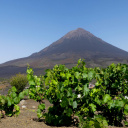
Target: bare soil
x,y
4,87
27,118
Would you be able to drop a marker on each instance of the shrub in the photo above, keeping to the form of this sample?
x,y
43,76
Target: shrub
x,y
70,93
19,81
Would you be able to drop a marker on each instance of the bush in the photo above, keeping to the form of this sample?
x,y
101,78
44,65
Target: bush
x,y
70,93
19,81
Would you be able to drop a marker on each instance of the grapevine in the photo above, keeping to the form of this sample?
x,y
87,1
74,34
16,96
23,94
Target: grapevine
x,y
9,104
70,94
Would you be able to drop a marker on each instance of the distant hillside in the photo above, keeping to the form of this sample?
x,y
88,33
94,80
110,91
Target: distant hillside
x,y
67,50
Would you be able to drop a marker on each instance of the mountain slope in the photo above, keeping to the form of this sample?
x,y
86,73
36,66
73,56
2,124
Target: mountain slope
x,y
82,42
68,49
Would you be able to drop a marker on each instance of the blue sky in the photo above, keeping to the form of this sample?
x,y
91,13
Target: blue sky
x,y
28,26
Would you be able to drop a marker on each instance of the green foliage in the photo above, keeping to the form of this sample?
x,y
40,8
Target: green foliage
x,y
64,87
8,103
70,94
19,81
97,122
37,90
113,84
55,118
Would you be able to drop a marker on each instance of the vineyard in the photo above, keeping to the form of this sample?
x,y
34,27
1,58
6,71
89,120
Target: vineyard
x,y
74,101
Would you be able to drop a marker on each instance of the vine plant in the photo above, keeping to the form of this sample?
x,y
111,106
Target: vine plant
x,y
70,95
9,104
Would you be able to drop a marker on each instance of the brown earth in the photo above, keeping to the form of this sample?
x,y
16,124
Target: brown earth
x,y
27,118
3,85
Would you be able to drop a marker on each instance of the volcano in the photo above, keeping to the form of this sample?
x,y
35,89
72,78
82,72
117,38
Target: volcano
x,y
68,49
81,43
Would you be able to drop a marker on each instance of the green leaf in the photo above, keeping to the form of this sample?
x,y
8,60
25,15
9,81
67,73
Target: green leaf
x,y
101,121
111,104
26,92
29,70
70,101
78,88
74,96
126,123
39,115
38,110
13,95
16,100
119,103
106,82
41,106
69,112
68,75
9,102
124,69
93,107
85,90
62,88
97,83
96,125
126,109
77,75
61,95
58,94
74,104
85,75
66,82
105,123
62,75
17,107
106,98
64,102
21,95
14,89
97,100
54,82
31,82
3,101
79,61
90,75
69,92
